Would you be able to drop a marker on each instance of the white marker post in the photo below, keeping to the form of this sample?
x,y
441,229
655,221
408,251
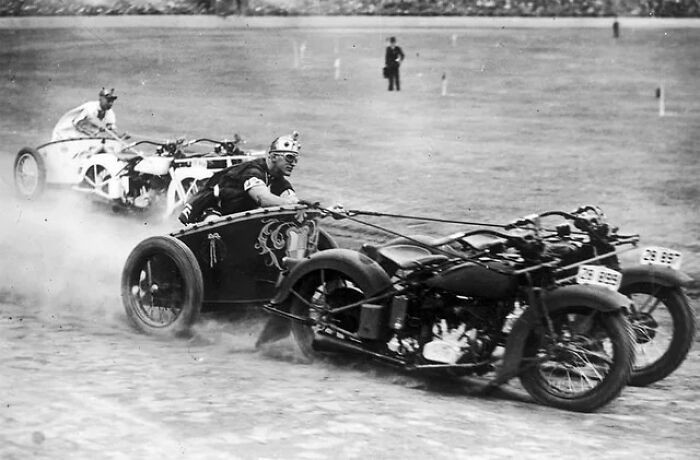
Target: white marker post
x,y
336,66
295,50
454,40
661,95
444,83
302,51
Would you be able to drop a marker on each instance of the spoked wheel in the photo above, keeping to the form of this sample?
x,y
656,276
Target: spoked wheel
x,y
96,177
162,286
29,173
178,194
664,329
319,293
584,365
277,327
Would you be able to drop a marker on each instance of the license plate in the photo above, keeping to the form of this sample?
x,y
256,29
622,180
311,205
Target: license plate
x,y
597,275
661,256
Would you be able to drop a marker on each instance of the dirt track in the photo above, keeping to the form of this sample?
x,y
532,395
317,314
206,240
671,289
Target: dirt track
x,y
78,382
522,130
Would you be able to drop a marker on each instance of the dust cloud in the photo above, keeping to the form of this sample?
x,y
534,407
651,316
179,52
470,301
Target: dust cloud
x,y
62,258
63,254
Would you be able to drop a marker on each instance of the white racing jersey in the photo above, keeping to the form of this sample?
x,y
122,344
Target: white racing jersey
x,y
88,114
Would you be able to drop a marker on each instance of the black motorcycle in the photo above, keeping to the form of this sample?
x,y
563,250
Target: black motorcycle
x,y
470,303
663,321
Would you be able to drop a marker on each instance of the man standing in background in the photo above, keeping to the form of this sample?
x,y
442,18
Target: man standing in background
x,y
392,61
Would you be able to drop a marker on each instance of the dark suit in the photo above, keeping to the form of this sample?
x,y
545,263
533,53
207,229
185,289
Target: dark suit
x,y
392,61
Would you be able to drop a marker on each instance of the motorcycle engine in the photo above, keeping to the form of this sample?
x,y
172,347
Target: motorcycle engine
x,y
450,330
450,343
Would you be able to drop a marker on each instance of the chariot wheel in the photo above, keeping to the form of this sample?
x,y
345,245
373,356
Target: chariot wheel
x,y
96,177
664,330
29,174
162,287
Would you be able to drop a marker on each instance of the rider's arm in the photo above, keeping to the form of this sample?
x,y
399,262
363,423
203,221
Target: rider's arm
x,y
86,122
262,195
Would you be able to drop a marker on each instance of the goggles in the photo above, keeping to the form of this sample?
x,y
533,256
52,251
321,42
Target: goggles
x,y
291,158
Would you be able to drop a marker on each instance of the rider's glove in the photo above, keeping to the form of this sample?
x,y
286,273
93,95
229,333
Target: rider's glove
x,y
338,211
311,204
184,216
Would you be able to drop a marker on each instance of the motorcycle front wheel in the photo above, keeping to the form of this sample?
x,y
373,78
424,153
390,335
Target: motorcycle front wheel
x,y
664,329
584,364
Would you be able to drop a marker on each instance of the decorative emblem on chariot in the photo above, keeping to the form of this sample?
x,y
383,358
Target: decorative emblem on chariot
x,y
280,238
216,249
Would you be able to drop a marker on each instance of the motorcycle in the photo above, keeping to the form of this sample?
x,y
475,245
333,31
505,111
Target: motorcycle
x,y
661,315
131,179
469,303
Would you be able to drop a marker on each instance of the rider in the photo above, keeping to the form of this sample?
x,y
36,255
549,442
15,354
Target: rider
x,y
88,119
257,183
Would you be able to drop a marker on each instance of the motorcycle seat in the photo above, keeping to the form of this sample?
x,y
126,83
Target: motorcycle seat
x,y
406,256
481,242
126,156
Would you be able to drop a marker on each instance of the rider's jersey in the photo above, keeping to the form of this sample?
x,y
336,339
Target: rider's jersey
x,y
235,182
89,115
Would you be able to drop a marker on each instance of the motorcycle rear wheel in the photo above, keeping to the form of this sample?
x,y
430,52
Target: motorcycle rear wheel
x,y
588,365
324,289
658,350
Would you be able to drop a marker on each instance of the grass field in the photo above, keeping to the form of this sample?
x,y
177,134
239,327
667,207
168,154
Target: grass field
x,y
533,119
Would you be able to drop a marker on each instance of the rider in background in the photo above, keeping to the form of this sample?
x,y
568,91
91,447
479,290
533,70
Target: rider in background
x,y
87,120
257,183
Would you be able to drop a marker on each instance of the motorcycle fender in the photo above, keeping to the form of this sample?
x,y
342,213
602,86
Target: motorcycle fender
x,y
354,264
655,274
325,240
604,300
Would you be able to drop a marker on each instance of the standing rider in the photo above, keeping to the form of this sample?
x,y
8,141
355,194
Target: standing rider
x,y
87,120
257,183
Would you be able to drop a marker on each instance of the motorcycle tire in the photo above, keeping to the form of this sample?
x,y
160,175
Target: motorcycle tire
x,y
684,327
618,330
343,295
162,269
277,328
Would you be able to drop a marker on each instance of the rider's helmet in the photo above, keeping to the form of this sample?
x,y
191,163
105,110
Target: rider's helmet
x,y
109,95
285,145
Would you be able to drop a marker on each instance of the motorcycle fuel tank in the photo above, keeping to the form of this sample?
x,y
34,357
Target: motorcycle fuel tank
x,y
474,280
157,166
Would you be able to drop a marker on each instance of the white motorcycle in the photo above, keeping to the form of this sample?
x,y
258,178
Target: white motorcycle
x,y
121,173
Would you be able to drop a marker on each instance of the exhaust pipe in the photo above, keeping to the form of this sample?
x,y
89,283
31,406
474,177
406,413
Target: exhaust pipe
x,y
332,344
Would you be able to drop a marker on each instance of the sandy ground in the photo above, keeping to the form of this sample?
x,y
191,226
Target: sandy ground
x,y
77,382
534,119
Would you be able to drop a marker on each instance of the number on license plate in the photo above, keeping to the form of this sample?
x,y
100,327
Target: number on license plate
x,y
598,275
661,256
